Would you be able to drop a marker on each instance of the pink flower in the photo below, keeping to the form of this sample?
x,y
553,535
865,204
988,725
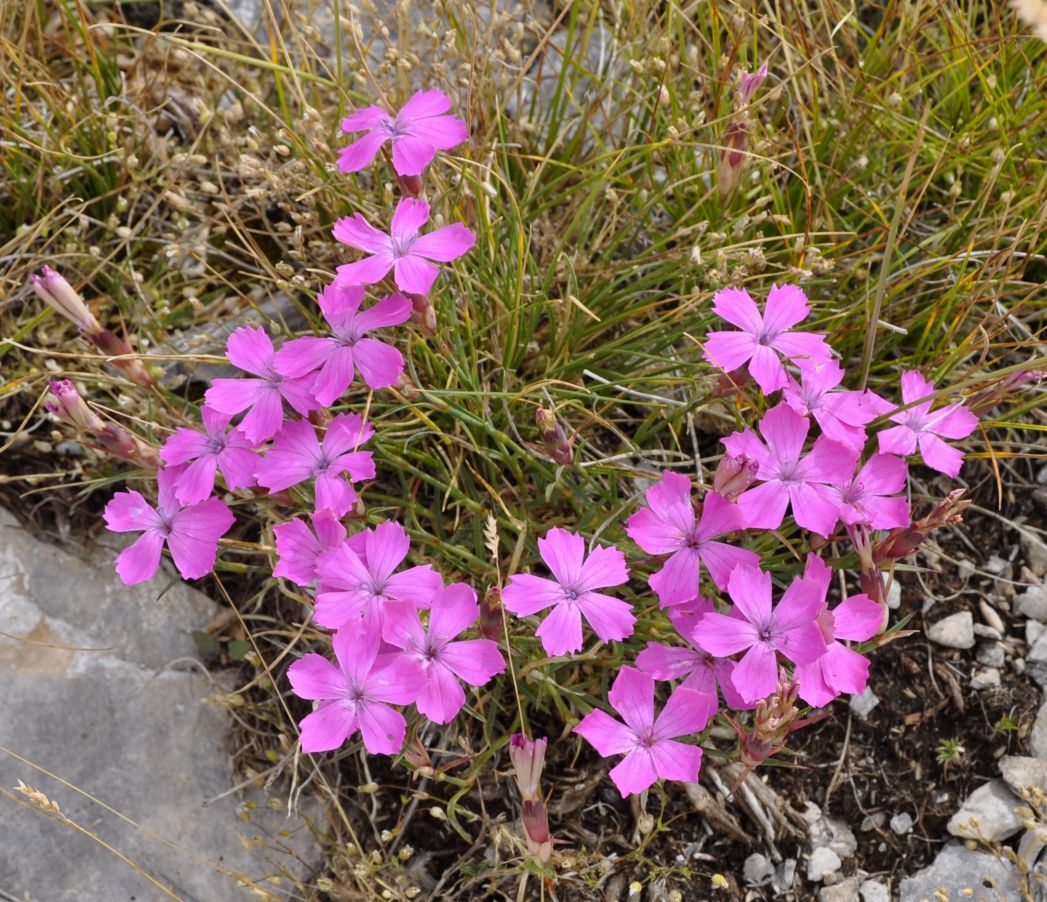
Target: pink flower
x,y
571,594
840,669
697,668
298,455
405,252
206,453
356,587
648,743
872,498
443,660
789,628
668,526
918,426
251,349
192,532
750,82
787,476
298,548
763,336
358,694
338,356
417,132
842,415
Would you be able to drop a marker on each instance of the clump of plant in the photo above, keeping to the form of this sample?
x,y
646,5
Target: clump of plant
x,y
811,487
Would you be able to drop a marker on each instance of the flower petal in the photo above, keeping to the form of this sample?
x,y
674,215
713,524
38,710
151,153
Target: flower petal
x,y
140,560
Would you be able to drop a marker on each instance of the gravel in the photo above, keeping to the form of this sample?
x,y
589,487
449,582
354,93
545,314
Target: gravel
x,y
954,631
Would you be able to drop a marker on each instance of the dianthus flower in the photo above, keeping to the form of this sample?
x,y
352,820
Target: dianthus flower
x,y
298,547
207,452
840,669
443,657
357,694
417,132
761,631
298,455
405,252
251,349
763,337
648,742
668,525
191,532
571,594
921,427
348,348
787,476
355,585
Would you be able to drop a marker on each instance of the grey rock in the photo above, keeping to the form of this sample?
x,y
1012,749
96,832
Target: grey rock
x,y
863,704
1036,662
822,862
101,687
960,873
987,814
785,876
1033,630
845,891
902,823
758,869
1022,772
833,834
991,654
1032,603
1035,550
1038,734
986,679
873,821
954,631
874,891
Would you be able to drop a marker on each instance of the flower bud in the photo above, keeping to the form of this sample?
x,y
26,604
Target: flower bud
x,y
734,475
423,313
750,83
111,344
52,288
73,409
491,615
411,185
117,440
528,757
536,829
557,444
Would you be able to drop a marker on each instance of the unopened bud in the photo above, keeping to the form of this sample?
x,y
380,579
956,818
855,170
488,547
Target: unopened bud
x,y
490,623
557,444
528,757
117,440
73,409
536,829
734,475
750,83
411,185
423,313
52,288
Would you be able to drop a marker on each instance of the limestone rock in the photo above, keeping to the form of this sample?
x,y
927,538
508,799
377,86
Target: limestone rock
x,y
954,631
992,807
101,687
960,873
1021,772
822,862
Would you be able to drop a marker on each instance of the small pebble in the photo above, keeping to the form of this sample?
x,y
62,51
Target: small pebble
x,y
823,861
986,679
990,616
863,704
991,654
894,595
757,869
873,821
987,632
874,891
902,823
954,631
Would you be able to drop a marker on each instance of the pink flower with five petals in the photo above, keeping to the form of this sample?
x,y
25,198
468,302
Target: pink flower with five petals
x,y
403,251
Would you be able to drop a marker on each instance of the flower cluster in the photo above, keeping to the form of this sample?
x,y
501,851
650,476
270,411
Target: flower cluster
x,y
822,460
811,459
396,633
